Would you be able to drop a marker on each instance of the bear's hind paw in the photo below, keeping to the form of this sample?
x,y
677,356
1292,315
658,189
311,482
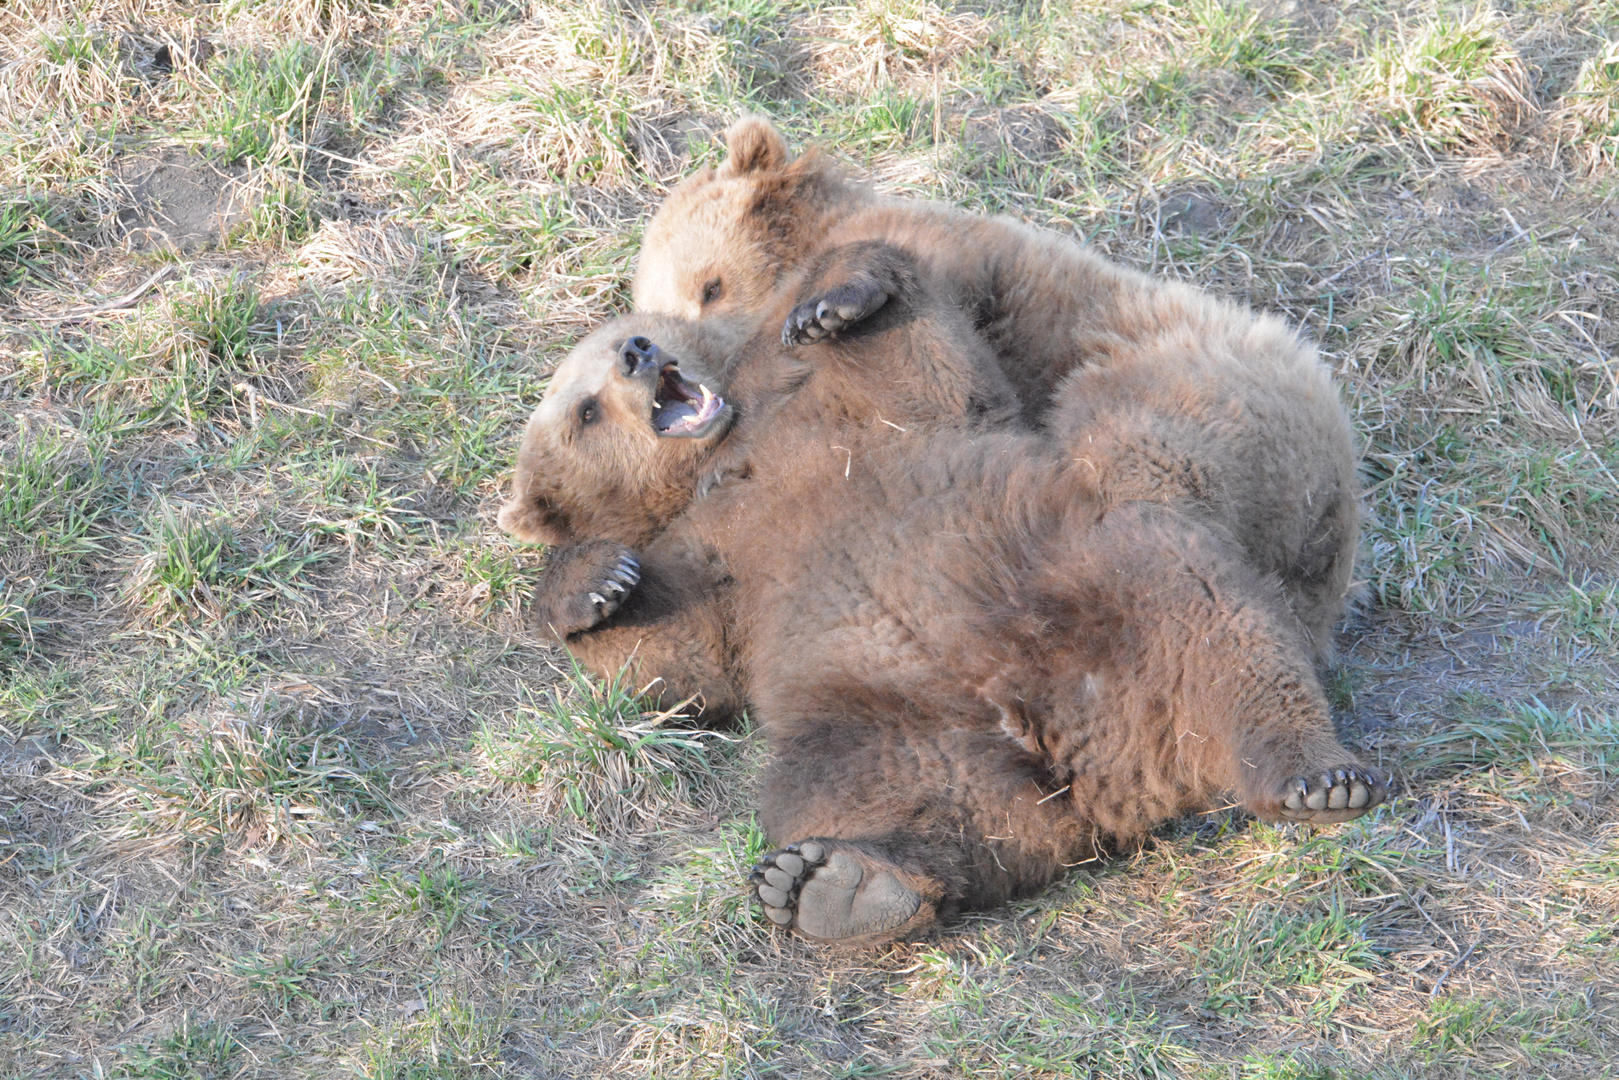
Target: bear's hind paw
x,y
1339,794
834,897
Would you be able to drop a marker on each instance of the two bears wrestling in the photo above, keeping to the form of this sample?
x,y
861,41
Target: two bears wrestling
x,y
1012,553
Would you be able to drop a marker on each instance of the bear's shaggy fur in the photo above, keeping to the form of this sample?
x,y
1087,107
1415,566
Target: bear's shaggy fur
x,y
972,669
914,366
913,361
1099,355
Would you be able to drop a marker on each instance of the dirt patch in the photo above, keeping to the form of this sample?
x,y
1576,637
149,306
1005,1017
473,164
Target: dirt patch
x,y
1408,682
1026,132
180,201
24,757
1192,213
664,145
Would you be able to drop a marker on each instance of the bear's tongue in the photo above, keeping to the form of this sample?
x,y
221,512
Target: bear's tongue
x,y
675,416
678,409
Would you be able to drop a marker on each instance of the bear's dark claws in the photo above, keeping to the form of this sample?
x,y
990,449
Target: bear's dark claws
x,y
778,877
834,311
1338,794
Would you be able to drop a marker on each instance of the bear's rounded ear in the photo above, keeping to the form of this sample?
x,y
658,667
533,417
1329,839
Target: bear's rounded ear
x,y
753,145
534,521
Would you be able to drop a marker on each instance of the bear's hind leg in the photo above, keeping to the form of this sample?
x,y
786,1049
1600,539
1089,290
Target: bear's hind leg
x,y
1342,793
889,825
1337,795
1211,690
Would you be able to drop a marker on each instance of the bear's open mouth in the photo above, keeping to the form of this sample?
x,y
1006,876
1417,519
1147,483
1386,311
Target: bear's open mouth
x,y
681,410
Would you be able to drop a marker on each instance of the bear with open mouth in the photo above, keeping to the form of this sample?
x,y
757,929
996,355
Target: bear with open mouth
x,y
973,668
1138,375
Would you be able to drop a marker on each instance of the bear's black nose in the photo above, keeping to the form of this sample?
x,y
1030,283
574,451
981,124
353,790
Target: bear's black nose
x,y
636,354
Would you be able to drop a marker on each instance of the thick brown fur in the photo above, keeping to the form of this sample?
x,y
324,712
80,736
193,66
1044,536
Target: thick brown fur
x,y
1167,393
598,491
973,669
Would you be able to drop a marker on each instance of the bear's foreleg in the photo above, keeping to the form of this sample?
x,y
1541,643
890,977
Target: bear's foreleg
x,y
582,585
894,349
848,286
664,627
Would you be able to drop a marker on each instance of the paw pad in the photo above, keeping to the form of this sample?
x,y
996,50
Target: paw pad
x,y
837,897
779,876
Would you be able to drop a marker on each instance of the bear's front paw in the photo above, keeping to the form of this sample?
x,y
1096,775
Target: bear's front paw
x,y
837,309
1339,794
583,585
837,897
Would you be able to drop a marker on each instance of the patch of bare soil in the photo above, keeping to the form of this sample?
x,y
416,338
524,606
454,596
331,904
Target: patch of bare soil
x,y
180,201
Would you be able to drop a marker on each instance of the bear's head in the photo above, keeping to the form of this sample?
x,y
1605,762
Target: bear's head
x,y
614,448
726,238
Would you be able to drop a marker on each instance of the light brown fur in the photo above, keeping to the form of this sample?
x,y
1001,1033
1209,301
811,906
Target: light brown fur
x,y
596,492
972,668
1167,393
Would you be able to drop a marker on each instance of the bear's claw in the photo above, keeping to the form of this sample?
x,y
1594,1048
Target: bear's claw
x,y
623,577
778,877
1338,794
834,896
582,585
822,316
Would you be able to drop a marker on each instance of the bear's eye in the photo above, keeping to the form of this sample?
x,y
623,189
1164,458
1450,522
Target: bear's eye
x,y
711,291
588,412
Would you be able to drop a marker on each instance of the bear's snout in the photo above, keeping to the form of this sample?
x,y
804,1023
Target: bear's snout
x,y
637,354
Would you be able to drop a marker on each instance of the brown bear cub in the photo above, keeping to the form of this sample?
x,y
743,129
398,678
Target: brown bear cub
x,y
972,668
896,372
1100,356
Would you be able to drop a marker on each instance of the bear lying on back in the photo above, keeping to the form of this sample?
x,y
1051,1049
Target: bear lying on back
x,y
971,668
1099,355
914,366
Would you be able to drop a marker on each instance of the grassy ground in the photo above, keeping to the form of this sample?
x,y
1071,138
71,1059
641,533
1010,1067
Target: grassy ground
x,y
286,787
